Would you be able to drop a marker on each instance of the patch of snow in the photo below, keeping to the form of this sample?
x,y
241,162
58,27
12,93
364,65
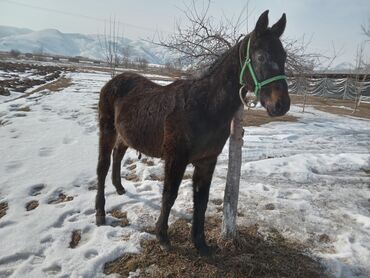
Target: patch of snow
x,y
313,171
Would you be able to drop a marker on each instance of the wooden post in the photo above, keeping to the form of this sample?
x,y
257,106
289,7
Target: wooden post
x,y
233,176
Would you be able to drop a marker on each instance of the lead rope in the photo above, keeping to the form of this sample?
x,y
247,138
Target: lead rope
x,y
241,96
251,100
249,104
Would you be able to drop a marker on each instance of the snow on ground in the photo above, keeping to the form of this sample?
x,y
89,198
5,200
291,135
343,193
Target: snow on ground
x,y
306,179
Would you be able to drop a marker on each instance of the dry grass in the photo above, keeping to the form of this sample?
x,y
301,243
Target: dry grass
x,y
121,218
3,209
3,122
62,198
187,176
32,205
253,117
55,86
147,161
155,177
75,239
335,106
132,177
24,109
251,256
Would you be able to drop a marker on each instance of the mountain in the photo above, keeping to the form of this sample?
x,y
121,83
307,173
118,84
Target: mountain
x,y
52,41
344,66
6,31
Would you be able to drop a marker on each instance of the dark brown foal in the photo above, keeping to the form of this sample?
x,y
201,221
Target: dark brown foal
x,y
187,121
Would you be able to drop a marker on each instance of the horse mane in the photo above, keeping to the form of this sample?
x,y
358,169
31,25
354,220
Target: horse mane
x,y
209,70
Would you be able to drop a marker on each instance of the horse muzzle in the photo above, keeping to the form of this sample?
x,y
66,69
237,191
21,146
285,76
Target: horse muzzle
x,y
275,99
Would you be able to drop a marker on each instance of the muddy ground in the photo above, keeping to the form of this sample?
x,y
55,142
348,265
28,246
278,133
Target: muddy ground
x,y
335,106
20,77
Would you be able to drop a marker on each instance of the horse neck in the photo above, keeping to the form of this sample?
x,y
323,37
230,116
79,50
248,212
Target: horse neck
x,y
223,98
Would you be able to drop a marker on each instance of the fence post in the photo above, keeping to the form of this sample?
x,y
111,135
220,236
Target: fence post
x,y
345,88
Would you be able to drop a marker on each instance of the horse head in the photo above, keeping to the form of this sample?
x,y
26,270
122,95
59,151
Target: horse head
x,y
263,65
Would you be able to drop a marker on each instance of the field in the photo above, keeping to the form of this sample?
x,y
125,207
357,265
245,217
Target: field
x,y
304,207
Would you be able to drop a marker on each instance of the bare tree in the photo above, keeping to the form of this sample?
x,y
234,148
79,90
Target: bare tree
x,y
14,53
366,32
126,55
359,68
109,45
299,60
203,39
366,29
38,51
173,67
142,63
362,66
301,63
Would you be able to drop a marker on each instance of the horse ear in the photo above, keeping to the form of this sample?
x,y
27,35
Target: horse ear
x,y
262,23
279,27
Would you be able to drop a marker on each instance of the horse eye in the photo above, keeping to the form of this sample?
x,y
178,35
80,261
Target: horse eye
x,y
261,58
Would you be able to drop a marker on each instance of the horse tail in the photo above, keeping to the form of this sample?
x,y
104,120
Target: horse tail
x,y
114,89
106,109
107,139
107,136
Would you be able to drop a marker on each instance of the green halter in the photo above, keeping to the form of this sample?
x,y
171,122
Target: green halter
x,y
257,85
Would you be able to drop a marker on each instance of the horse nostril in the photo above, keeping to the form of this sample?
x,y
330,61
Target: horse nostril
x,y
278,106
278,86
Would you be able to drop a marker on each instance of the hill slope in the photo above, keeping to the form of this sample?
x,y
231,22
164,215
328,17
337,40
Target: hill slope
x,y
53,41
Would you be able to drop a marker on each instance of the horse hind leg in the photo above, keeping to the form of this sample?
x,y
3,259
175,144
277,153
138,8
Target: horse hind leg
x,y
107,139
119,151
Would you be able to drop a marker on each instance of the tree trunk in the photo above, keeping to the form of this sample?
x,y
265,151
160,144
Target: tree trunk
x,y
233,176
304,88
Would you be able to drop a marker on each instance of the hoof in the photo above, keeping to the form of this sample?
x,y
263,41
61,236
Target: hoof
x,y
100,220
120,190
205,251
165,246
164,242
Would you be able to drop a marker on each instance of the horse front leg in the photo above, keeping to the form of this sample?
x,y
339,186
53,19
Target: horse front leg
x,y
202,178
174,172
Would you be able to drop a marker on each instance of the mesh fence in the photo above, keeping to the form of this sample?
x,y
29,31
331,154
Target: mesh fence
x,y
341,88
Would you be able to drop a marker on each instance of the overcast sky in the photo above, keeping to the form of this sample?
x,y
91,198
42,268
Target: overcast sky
x,y
323,22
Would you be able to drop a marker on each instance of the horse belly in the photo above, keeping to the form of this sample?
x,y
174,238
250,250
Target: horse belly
x,y
209,144
142,129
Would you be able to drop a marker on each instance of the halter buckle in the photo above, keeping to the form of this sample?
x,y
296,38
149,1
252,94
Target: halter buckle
x,y
250,100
